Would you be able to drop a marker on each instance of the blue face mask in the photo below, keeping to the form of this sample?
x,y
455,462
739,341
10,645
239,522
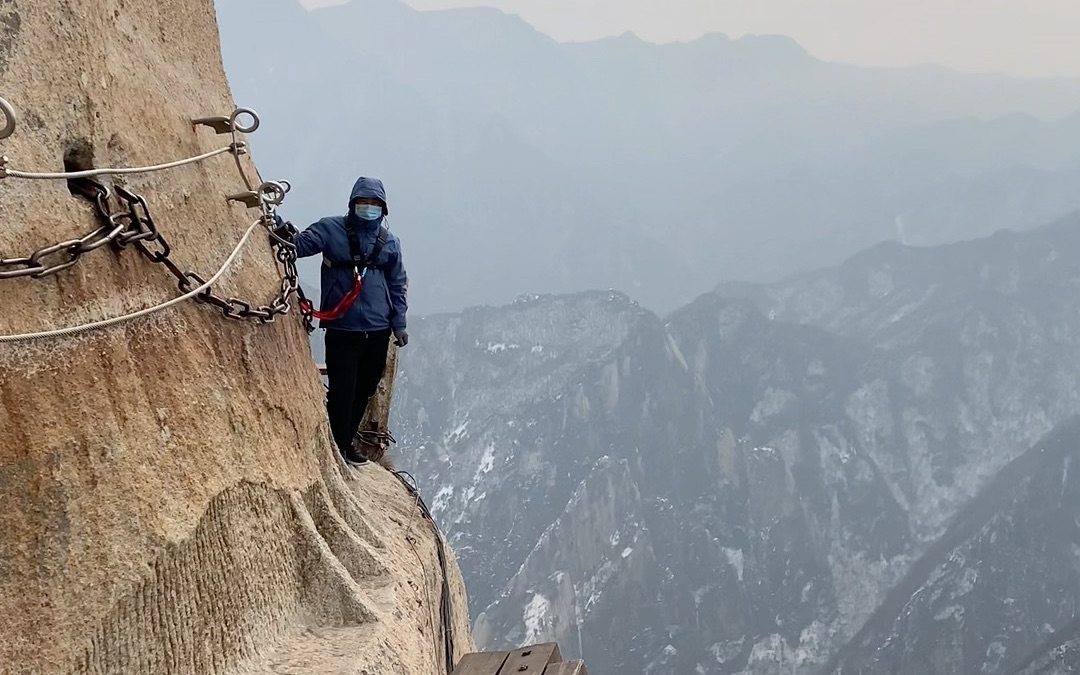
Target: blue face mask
x,y
367,211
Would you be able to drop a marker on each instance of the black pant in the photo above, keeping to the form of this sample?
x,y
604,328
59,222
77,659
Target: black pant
x,y
355,363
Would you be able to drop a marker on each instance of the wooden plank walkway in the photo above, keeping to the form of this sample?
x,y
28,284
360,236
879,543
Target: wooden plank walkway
x,y
543,659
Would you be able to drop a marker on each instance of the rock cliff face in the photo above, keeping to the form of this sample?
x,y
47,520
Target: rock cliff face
x,y
169,498
759,483
999,589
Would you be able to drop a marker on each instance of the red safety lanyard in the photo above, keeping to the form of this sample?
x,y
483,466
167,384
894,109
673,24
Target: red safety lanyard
x,y
342,307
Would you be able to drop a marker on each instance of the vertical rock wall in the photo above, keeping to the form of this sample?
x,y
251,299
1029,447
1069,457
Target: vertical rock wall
x,y
169,498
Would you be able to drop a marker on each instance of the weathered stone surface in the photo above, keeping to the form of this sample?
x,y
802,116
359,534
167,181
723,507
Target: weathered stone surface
x,y
169,498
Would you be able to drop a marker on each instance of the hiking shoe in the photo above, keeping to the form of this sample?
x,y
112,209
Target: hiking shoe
x,y
355,459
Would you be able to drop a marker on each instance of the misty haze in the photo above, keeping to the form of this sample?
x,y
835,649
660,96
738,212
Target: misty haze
x,y
753,349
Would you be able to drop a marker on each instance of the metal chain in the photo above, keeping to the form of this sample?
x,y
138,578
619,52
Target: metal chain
x,y
446,609
375,443
148,240
271,195
64,254
69,331
133,225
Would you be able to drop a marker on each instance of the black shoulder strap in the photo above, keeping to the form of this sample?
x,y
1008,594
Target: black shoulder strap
x,y
380,241
359,262
355,250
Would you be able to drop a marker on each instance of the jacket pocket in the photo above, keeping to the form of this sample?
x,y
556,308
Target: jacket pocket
x,y
376,305
333,292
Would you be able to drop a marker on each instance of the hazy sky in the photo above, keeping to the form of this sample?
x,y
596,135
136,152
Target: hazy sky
x,y
1024,37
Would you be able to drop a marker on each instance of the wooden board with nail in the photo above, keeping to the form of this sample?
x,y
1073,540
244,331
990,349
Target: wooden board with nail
x,y
542,659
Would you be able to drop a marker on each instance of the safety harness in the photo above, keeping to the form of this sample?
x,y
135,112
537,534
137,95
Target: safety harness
x,y
359,264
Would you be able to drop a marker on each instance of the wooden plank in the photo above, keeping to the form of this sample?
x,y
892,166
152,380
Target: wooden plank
x,y
487,663
567,668
531,660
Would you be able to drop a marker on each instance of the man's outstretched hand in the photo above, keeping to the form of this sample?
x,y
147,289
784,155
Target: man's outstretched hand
x,y
401,337
284,229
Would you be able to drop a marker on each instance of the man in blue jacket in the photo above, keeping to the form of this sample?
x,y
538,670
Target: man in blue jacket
x,y
357,334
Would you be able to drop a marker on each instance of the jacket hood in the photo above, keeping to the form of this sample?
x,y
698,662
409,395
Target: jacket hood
x,y
372,188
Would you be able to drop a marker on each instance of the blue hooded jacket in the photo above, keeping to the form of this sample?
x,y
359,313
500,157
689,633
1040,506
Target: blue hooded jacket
x,y
383,299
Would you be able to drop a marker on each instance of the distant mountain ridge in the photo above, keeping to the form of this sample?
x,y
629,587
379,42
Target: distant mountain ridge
x,y
867,469
521,165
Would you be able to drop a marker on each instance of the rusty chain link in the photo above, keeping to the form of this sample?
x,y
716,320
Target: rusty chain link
x,y
149,241
64,254
133,225
271,195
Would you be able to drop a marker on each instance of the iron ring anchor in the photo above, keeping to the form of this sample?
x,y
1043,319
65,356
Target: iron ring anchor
x,y
236,116
9,119
230,124
272,193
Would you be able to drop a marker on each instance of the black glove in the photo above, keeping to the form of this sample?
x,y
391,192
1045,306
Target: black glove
x,y
283,229
401,337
